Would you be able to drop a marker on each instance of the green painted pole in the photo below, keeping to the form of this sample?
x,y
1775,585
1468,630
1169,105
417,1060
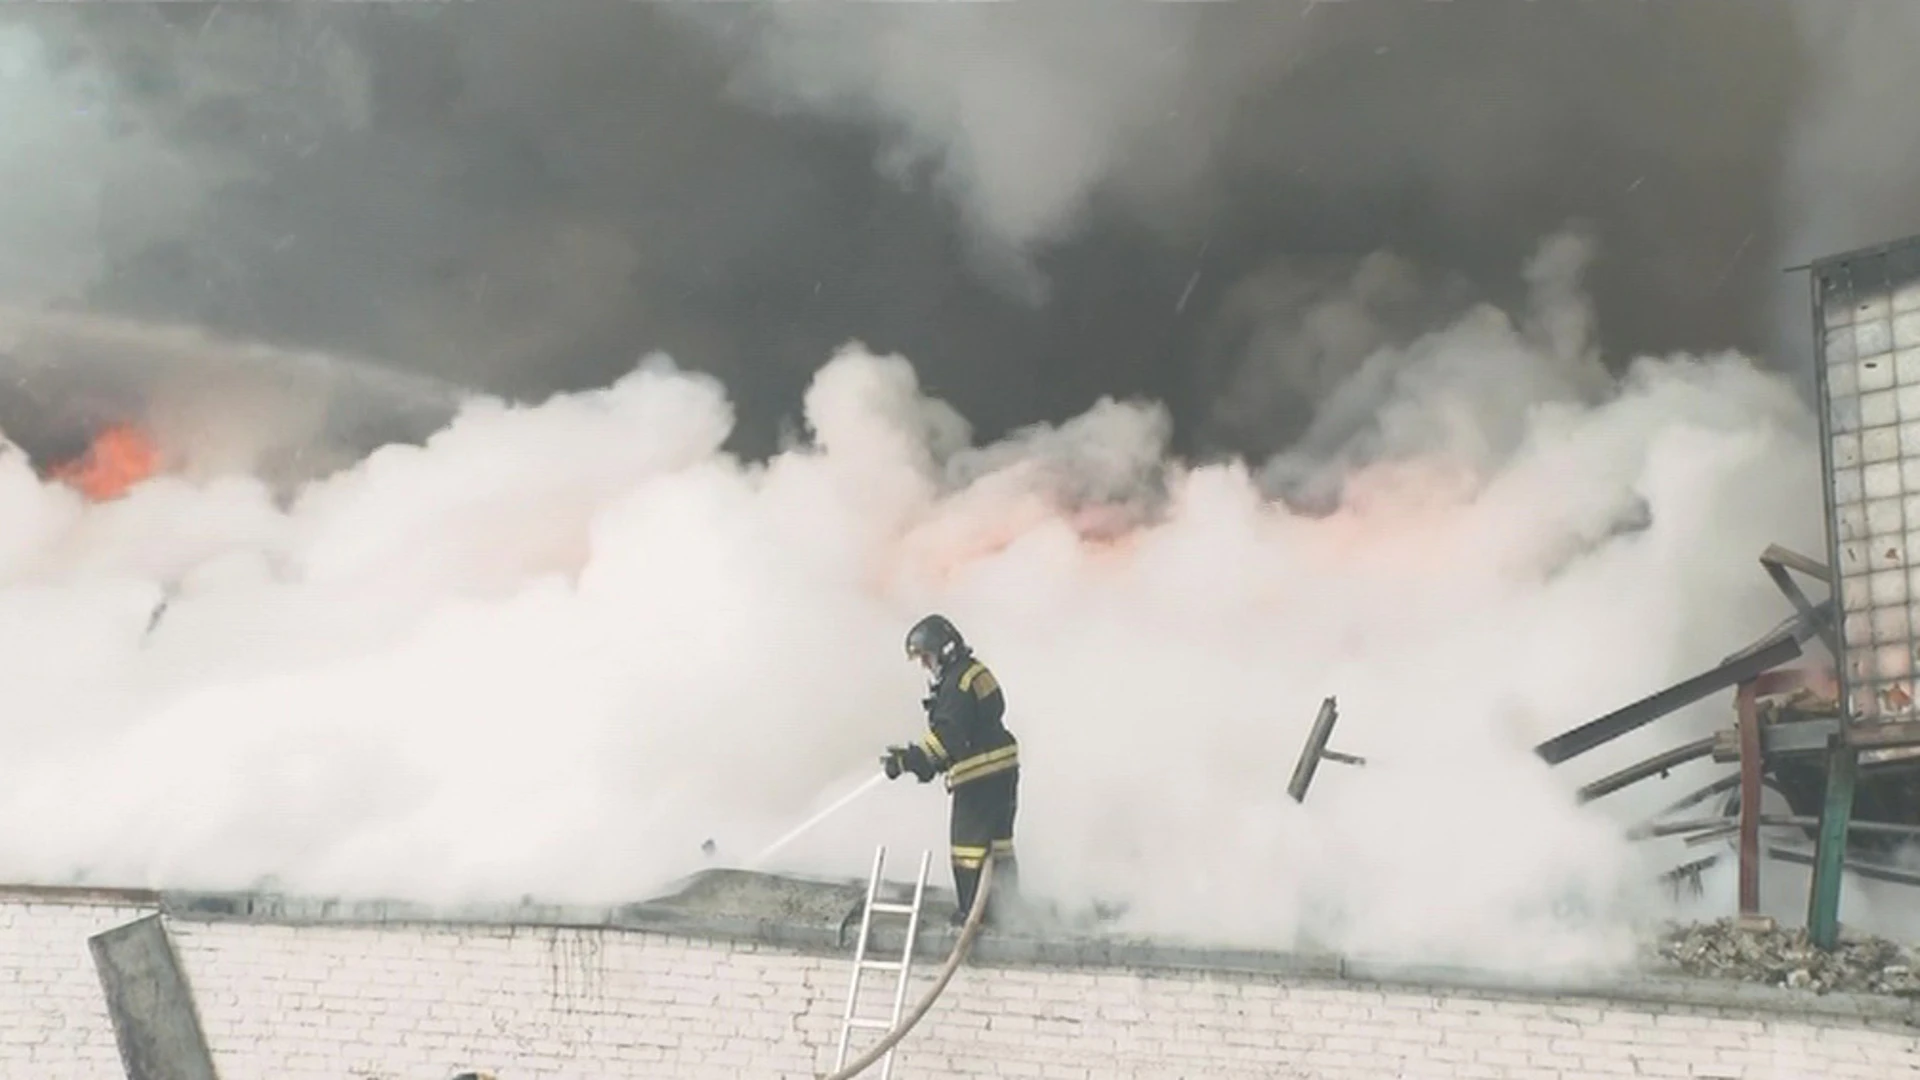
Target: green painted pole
x,y
1829,856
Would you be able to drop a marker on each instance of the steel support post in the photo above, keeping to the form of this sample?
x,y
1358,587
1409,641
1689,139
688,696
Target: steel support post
x,y
1751,768
1823,906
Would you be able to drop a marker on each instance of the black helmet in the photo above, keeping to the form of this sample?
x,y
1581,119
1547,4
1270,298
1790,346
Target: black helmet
x,y
934,642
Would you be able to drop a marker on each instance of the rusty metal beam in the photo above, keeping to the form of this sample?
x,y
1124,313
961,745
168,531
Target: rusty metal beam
x,y
1656,765
1874,871
1762,657
1654,830
1710,835
1871,871
1886,828
1754,661
1715,826
1702,794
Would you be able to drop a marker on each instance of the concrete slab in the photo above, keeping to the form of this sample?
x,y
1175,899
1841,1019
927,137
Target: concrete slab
x,y
150,1003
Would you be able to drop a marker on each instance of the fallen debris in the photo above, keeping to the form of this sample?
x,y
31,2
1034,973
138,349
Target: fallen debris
x,y
1784,957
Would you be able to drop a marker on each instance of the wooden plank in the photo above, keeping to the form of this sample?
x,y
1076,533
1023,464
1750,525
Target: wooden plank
x,y
1793,560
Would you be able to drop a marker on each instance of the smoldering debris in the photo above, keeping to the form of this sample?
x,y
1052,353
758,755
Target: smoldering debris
x,y
1861,964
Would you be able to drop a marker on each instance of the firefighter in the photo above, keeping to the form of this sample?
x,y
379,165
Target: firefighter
x,y
967,741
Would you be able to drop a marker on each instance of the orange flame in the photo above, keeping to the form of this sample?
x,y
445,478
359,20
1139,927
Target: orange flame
x,y
120,457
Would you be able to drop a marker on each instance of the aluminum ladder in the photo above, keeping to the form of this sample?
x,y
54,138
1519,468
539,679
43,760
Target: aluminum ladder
x,y
903,967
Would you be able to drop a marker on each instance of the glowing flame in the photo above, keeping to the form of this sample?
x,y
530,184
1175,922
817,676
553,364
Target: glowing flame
x,y
981,525
120,457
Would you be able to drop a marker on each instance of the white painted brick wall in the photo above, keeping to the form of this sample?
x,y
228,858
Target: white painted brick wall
x,y
423,1003
53,1015
529,1004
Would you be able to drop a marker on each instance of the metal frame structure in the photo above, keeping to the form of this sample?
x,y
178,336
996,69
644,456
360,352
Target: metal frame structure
x,y
1752,673
1784,644
1866,324
1755,673
1866,317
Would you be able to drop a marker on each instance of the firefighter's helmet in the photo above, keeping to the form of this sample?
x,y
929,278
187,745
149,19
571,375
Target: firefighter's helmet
x,y
934,642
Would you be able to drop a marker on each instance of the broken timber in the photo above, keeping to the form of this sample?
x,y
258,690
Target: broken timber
x,y
1810,620
1763,656
1800,741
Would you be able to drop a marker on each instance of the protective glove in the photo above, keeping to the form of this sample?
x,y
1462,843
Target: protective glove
x,y
920,764
894,761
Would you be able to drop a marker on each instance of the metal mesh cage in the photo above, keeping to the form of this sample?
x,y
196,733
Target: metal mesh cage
x,y
1867,349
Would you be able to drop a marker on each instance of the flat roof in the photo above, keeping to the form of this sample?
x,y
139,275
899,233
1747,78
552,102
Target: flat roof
x,y
821,917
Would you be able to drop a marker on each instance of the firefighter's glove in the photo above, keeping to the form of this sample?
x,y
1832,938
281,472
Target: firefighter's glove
x,y
920,764
894,761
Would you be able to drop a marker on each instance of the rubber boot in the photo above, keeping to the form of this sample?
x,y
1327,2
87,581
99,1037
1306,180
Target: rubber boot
x,y
966,882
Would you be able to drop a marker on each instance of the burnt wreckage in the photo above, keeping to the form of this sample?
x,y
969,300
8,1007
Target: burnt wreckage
x,y
1787,723
1836,738
1786,727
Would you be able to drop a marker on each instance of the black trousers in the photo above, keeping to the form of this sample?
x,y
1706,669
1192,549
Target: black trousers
x,y
981,823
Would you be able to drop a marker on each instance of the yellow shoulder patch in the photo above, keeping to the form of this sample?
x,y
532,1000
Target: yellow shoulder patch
x,y
979,680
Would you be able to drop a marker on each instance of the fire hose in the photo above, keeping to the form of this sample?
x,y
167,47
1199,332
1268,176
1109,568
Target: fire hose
x,y
960,950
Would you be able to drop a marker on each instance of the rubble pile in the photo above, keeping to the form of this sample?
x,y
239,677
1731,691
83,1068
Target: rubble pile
x,y
1784,957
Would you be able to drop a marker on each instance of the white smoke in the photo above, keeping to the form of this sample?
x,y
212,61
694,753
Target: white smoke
x,y
1469,391
557,647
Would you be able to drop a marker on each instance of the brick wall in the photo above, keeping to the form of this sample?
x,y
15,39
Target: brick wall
x,y
399,1003
53,1016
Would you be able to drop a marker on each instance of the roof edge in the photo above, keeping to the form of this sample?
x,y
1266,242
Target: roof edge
x,y
79,894
1107,954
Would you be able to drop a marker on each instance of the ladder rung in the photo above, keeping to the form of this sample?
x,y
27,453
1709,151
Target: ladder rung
x,y
862,965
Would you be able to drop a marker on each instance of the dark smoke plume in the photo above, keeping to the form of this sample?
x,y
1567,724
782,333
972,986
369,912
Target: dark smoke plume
x,y
526,658
1224,207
